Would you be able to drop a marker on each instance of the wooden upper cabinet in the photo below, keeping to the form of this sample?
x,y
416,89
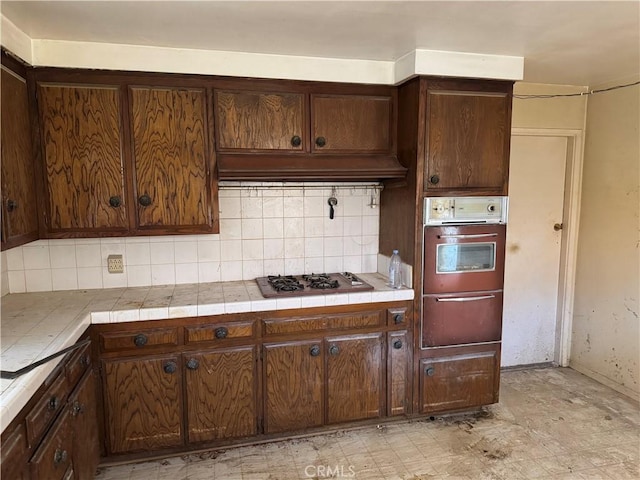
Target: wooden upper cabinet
x,y
19,211
351,123
259,121
82,158
468,137
171,159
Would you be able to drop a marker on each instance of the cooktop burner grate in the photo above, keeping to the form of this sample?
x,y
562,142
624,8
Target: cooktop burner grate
x,y
311,284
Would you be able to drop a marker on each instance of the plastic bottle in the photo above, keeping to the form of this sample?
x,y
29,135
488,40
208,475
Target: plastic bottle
x,y
395,270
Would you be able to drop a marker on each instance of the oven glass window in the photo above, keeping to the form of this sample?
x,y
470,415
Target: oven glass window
x,y
465,257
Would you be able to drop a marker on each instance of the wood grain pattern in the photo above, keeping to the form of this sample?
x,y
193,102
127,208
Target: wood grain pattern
x,y
294,390
14,452
59,438
41,415
354,377
221,394
467,132
459,381
17,163
398,372
80,128
170,156
259,121
207,333
86,444
143,404
321,323
117,340
352,123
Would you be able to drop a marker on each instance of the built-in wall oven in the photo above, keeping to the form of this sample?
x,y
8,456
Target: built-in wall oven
x,y
463,270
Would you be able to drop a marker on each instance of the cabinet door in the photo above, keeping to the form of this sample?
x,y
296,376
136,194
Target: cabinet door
x,y
459,381
221,394
259,121
468,135
86,452
354,377
19,214
171,158
143,403
398,362
351,124
83,166
293,379
53,458
14,454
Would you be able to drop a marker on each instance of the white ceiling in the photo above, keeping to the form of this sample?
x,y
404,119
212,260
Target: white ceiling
x,y
562,42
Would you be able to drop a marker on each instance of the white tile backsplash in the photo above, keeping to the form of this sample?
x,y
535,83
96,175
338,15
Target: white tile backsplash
x,y
264,229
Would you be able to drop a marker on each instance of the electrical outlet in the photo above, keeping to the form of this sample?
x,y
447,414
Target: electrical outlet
x,y
115,264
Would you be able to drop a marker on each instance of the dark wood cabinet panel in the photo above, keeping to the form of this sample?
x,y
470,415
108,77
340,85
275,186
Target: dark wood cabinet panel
x,y
354,377
293,379
53,458
86,445
459,381
221,393
468,138
260,121
82,156
398,367
170,157
19,204
14,455
351,123
143,403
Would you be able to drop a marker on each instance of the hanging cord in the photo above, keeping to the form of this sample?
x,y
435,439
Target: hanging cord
x,y
581,94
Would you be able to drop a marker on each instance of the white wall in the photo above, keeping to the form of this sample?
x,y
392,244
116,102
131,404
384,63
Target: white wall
x,y
606,333
262,231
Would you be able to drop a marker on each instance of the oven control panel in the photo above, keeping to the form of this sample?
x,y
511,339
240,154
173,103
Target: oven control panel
x,y
465,210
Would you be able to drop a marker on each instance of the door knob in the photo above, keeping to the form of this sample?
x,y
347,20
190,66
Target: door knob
x,y
557,227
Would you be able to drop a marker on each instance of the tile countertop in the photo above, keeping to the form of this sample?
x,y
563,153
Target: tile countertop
x,y
35,325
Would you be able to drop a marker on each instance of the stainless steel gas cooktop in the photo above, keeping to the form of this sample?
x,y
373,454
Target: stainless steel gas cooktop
x,y
311,284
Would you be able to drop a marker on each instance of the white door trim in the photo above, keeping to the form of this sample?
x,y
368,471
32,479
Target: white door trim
x,y
569,245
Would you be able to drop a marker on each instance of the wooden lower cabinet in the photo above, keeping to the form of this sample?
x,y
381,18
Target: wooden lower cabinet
x,y
293,379
398,364
354,377
86,447
143,403
221,393
456,381
53,458
14,455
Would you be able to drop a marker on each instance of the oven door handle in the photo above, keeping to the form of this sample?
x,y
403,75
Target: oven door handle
x,y
465,299
474,235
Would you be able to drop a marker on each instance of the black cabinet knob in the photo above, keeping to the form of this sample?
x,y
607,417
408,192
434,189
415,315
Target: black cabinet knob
x,y
321,141
429,371
60,456
398,317
170,367
193,364
140,340
115,201
144,200
221,332
85,361
434,179
397,344
334,350
296,141
314,351
53,403
77,408
11,205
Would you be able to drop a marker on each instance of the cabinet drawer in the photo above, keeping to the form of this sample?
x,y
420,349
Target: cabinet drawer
x,y
139,339
321,322
78,364
52,459
14,452
219,331
47,408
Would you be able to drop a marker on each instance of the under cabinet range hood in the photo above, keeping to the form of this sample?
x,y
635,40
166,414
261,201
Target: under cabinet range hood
x,y
250,166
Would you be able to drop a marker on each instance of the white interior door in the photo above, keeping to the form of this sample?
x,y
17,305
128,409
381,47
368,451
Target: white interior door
x,y
532,261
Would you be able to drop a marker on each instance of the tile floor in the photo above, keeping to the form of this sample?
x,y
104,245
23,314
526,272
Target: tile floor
x,y
551,423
